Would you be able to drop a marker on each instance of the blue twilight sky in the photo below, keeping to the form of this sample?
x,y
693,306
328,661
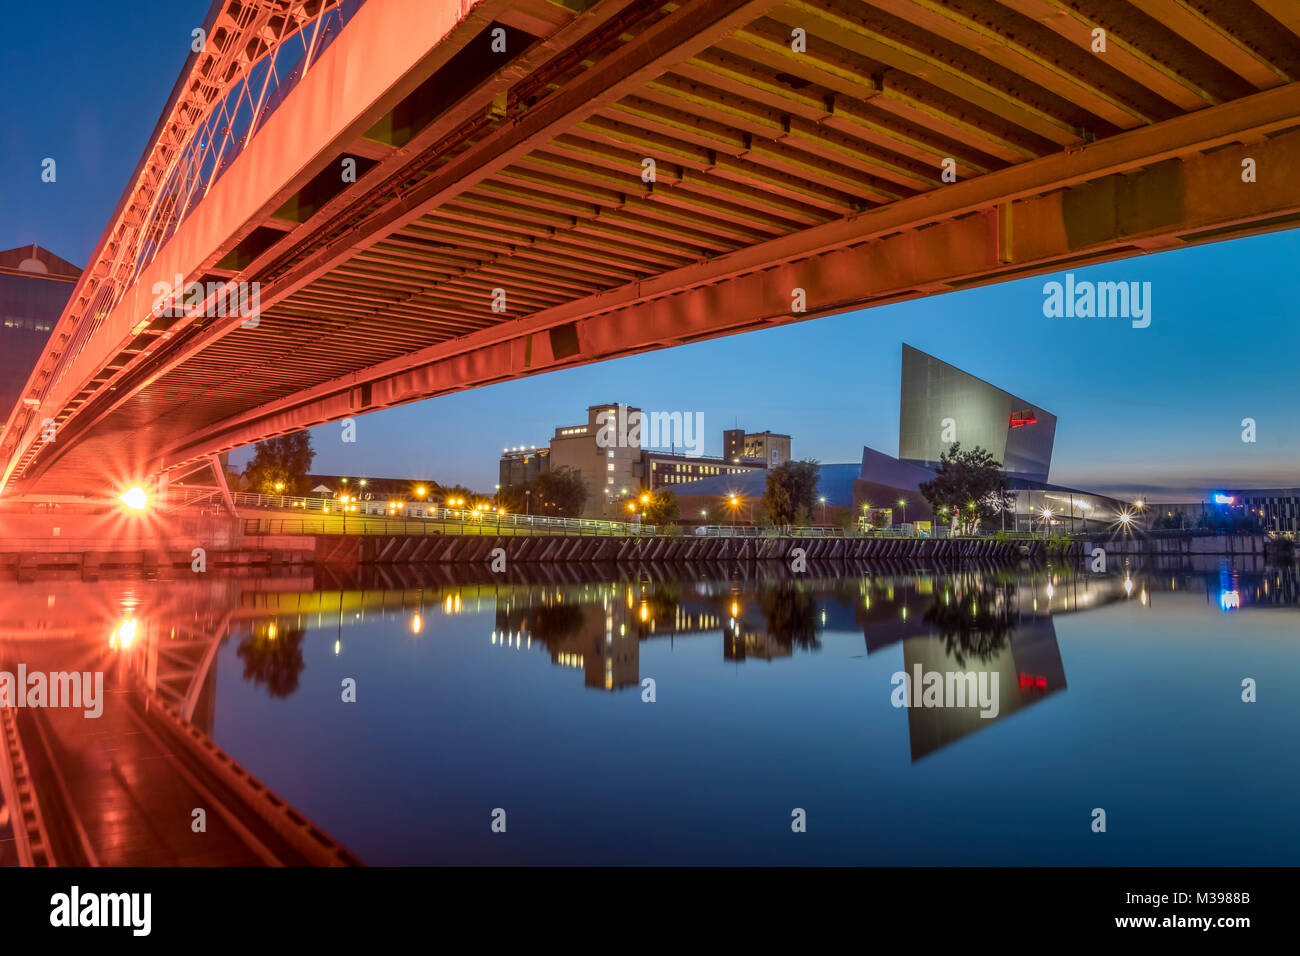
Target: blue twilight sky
x,y
1155,411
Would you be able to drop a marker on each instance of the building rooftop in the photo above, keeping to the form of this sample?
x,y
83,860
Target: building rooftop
x,y
33,260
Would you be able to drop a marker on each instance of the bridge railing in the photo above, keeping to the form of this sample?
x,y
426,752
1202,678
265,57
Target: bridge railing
x,y
490,524
382,515
210,122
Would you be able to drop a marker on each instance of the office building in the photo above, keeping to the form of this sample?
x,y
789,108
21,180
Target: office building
x,y
35,286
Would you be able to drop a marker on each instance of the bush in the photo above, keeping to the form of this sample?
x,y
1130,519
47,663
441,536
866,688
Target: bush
x,y
1058,546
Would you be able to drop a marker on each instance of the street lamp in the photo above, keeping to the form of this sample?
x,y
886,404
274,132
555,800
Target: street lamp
x,y
134,498
1047,521
735,503
902,503
823,501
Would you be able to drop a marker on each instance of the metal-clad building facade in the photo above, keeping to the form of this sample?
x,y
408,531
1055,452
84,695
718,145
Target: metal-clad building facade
x,y
939,404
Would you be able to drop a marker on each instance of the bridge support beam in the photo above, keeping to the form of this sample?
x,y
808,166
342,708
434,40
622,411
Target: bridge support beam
x,y
1161,187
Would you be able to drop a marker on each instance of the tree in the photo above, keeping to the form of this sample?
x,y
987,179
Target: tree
x,y
968,484
791,613
273,656
973,616
662,509
280,465
560,492
791,492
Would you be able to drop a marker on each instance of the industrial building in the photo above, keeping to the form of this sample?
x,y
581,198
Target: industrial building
x,y
620,463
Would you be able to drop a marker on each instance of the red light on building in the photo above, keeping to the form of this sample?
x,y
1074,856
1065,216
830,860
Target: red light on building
x,y
1032,682
1025,416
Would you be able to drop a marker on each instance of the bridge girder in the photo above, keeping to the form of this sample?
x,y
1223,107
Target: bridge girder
x,y
778,169
1090,206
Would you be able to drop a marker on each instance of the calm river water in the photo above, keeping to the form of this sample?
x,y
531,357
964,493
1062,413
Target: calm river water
x,y
686,715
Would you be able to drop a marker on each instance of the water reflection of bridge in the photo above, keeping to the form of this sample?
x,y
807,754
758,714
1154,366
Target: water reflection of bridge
x,y
123,787
121,790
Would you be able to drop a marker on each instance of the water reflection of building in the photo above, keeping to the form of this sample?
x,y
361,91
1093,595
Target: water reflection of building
x,y
599,631
1028,667
585,635
1232,588
982,622
740,642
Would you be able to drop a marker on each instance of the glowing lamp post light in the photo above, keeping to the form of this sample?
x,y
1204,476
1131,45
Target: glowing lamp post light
x,y
134,498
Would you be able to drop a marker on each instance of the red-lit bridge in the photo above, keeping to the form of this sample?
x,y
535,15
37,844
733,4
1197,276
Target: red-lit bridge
x,y
433,195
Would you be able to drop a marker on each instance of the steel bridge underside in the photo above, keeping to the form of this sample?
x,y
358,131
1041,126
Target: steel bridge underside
x,y
520,179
